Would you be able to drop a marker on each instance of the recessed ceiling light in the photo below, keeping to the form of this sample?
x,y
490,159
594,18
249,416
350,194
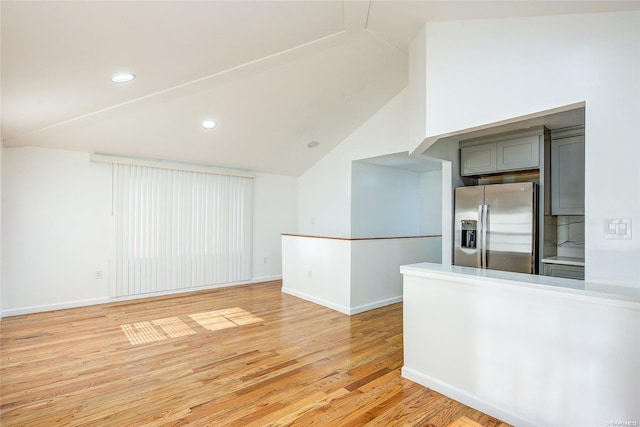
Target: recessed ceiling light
x,y
313,144
208,124
123,77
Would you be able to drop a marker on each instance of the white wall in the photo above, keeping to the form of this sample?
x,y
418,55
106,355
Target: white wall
x,y
325,189
431,203
348,275
418,89
375,268
485,71
275,203
385,201
55,220
318,270
56,214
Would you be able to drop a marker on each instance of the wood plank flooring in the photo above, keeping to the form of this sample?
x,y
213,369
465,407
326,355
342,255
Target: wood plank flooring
x,y
298,364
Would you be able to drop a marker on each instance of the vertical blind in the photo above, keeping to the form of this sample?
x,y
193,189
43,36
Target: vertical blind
x,y
179,229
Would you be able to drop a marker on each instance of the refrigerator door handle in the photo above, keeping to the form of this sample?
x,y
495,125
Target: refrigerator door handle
x,y
483,250
480,237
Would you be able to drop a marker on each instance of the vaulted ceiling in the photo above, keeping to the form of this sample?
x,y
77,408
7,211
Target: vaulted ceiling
x,y
274,75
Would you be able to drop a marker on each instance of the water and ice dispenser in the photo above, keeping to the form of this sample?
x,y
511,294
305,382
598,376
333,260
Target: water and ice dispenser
x,y
468,235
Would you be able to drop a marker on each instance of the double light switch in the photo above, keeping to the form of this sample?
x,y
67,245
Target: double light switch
x,y
617,228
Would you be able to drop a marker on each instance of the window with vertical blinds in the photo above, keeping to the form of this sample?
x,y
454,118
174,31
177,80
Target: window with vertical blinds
x,y
179,229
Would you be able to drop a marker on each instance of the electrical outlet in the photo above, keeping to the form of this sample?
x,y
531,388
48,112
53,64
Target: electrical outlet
x,y
310,274
265,260
99,275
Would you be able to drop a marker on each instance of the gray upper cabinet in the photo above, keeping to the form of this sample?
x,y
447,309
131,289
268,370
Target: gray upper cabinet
x,y
478,159
518,154
567,176
503,156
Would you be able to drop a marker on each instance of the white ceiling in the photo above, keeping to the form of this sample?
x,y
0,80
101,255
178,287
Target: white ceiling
x,y
275,75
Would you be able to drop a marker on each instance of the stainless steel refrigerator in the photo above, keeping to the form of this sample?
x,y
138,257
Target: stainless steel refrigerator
x,y
496,227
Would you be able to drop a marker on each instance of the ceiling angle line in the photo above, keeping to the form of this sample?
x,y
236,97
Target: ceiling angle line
x,y
283,53
366,22
366,28
386,42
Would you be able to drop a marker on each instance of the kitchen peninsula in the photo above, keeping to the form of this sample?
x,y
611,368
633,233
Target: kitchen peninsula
x,y
513,344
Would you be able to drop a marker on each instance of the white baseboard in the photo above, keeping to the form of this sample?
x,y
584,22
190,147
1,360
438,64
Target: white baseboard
x,y
58,306
342,309
319,301
376,304
106,300
469,399
266,279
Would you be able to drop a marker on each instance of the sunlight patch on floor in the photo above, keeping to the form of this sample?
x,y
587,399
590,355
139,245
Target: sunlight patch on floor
x,y
464,422
142,332
173,327
212,321
227,318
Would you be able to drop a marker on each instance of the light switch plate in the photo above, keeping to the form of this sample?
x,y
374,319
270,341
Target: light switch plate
x,y
617,228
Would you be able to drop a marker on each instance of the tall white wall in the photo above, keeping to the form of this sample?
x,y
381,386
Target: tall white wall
x,y
431,203
325,189
55,220
56,215
484,71
385,201
418,89
390,202
275,203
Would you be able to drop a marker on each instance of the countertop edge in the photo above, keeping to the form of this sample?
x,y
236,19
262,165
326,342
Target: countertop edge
x,y
568,287
355,239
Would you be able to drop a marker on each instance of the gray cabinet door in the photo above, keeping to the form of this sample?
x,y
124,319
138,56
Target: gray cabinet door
x,y
512,155
518,154
478,159
567,176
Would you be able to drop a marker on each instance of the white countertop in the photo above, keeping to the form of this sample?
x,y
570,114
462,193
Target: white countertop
x,y
564,260
557,284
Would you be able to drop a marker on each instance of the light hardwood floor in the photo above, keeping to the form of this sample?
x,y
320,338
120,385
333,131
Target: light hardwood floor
x,y
238,356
